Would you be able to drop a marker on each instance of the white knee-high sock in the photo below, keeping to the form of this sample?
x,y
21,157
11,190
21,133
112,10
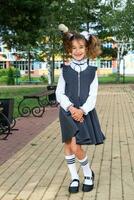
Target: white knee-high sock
x,y
86,170
72,168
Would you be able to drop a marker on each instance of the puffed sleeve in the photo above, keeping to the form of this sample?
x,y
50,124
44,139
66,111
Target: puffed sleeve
x,y
91,100
60,93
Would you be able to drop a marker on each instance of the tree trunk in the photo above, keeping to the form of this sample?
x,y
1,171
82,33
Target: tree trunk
x,y
53,66
53,58
49,70
29,66
118,65
87,25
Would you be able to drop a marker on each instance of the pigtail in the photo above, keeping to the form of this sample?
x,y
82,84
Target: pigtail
x,y
67,43
66,37
94,47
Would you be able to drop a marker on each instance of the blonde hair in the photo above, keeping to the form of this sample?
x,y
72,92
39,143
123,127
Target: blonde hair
x,y
93,44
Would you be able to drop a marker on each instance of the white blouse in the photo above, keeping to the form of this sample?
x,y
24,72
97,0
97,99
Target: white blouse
x,y
60,90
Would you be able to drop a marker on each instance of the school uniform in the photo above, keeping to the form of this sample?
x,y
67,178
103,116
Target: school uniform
x,y
78,86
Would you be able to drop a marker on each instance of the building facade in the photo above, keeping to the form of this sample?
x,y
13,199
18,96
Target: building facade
x,y
12,58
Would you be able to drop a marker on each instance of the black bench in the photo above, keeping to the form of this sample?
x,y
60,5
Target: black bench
x,y
7,122
4,125
38,110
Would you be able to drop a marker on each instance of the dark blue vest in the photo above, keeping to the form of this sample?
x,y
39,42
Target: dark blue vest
x,y
78,84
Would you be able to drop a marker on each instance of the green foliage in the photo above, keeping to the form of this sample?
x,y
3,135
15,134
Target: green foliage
x,y
7,76
27,21
3,72
17,73
3,80
10,76
117,19
21,22
109,52
44,79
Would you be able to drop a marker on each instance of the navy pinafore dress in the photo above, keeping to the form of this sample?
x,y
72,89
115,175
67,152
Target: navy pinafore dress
x,y
77,90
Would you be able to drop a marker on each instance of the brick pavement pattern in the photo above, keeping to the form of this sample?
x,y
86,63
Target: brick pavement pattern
x,y
26,129
38,171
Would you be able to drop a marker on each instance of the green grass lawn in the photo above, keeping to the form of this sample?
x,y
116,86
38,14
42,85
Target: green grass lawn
x,y
17,94
113,79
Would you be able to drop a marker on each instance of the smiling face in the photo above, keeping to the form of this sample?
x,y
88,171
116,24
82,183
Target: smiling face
x,y
79,49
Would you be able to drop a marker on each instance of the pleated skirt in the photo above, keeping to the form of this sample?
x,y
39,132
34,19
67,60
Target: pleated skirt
x,y
86,133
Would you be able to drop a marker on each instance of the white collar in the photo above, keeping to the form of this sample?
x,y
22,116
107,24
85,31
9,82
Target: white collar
x,y
78,65
79,62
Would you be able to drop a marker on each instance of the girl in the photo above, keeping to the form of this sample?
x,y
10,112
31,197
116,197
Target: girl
x,y
76,93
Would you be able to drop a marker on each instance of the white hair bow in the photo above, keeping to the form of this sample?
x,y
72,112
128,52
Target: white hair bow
x,y
63,28
85,34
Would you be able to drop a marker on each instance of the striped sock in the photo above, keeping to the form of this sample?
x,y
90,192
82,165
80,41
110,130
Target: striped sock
x,y
86,170
72,168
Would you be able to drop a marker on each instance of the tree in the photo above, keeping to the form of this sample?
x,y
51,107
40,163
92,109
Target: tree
x,y
10,77
22,23
116,18
87,13
28,24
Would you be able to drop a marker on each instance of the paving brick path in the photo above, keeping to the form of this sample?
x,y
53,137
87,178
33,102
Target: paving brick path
x,y
38,171
26,129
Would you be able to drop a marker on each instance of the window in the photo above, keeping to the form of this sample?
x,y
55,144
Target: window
x,y
106,64
23,65
2,64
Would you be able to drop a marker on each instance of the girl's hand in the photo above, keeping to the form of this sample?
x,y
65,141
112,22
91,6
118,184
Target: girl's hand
x,y
72,110
77,114
78,119
81,120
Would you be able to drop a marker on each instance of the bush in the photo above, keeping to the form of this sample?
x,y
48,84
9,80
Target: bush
x,y
44,79
10,76
17,73
3,72
3,80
